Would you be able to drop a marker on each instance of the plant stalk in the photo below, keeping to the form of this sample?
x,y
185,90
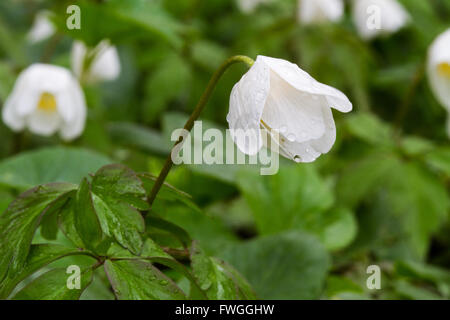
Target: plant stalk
x,y
194,116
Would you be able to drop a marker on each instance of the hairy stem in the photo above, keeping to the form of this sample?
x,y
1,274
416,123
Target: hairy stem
x,y
194,116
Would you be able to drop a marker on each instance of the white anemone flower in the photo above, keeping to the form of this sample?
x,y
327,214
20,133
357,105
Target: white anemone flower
x,y
276,98
99,64
42,27
438,68
320,11
249,6
46,99
379,17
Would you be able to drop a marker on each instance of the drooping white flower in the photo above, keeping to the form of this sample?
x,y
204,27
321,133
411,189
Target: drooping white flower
x,y
42,27
319,11
248,6
278,98
438,69
377,17
46,99
98,64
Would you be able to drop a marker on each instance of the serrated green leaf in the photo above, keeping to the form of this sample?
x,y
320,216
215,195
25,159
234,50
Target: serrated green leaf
x,y
86,220
167,191
219,280
140,280
52,285
117,195
39,256
20,221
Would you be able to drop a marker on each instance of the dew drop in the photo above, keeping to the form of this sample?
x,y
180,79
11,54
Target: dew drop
x,y
291,137
163,282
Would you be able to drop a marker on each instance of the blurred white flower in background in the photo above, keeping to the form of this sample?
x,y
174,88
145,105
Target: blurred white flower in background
x,y
101,63
248,6
377,17
438,68
319,11
46,99
276,96
42,27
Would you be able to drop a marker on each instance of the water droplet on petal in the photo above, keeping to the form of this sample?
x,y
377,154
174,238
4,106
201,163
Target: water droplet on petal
x,y
291,137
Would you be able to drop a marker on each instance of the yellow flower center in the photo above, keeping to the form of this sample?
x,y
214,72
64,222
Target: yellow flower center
x,y
444,69
47,102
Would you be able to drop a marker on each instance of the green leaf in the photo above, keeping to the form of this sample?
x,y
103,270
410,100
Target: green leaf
x,y
86,220
369,128
117,195
118,19
295,198
20,221
48,165
285,266
39,256
152,221
52,285
439,159
140,280
167,191
139,137
338,286
422,202
218,279
363,177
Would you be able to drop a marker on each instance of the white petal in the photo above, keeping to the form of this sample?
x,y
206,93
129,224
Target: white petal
x,y
10,117
318,11
42,28
247,101
43,123
106,65
295,114
439,52
73,126
77,57
302,81
392,17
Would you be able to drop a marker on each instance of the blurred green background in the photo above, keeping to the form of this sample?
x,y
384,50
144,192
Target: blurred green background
x,y
381,196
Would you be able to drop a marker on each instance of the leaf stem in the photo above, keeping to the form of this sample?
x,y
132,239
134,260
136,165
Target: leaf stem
x,y
194,116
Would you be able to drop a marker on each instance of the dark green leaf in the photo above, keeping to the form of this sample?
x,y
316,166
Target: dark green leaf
x,y
218,279
39,256
117,195
140,280
20,221
286,266
86,220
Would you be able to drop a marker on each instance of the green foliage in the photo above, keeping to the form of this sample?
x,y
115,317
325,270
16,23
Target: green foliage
x,y
380,196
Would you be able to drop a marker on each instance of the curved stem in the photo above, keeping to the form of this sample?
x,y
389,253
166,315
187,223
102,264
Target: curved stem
x,y
194,116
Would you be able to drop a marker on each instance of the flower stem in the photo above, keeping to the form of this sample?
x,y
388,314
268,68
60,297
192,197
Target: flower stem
x,y
194,116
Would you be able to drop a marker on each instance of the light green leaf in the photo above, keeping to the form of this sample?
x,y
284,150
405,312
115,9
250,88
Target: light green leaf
x,y
369,128
295,198
57,164
139,137
52,285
